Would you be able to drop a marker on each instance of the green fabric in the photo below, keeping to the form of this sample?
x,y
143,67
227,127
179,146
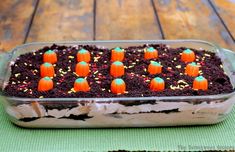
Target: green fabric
x,y
13,138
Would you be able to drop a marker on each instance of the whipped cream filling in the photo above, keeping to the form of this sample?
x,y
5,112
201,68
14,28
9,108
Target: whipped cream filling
x,y
116,114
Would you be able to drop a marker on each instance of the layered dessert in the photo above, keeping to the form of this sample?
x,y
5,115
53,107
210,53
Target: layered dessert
x,y
87,71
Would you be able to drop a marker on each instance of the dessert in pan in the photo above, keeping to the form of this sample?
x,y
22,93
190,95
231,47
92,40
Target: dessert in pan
x,y
88,71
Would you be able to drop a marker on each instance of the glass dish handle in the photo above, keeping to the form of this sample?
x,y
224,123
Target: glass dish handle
x,y
4,62
230,61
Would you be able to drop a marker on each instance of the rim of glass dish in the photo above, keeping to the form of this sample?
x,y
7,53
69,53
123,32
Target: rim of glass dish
x,y
217,96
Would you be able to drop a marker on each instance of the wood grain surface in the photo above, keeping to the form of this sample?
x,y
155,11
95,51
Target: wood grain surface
x,y
192,19
58,20
126,19
226,10
15,17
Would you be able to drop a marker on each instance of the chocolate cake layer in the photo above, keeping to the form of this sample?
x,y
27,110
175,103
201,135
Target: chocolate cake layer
x,y
25,73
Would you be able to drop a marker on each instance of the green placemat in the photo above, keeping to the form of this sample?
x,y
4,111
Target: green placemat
x,y
213,137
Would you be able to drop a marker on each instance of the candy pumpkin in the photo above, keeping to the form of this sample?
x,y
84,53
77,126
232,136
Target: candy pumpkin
x,y
117,54
81,85
82,69
118,86
83,55
117,69
157,84
50,57
45,84
150,53
47,70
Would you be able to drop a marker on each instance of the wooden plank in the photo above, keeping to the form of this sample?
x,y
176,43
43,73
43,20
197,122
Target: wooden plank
x,y
126,19
226,10
58,20
15,17
189,19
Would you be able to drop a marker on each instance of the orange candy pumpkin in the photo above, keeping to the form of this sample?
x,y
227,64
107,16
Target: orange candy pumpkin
x,y
154,68
157,84
45,84
47,70
50,57
187,56
82,69
192,69
117,69
83,55
118,86
150,53
81,85
117,54
200,83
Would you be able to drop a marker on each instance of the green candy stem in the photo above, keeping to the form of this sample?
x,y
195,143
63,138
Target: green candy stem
x,y
193,64
119,81
200,78
83,63
80,80
188,51
47,78
158,79
118,63
47,64
82,51
118,49
150,49
155,63
49,52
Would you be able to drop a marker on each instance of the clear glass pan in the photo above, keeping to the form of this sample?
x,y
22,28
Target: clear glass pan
x,y
118,112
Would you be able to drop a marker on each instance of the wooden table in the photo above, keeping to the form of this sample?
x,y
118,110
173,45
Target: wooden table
x,y
23,21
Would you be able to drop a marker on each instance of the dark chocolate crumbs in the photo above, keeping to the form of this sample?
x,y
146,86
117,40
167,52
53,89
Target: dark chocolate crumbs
x,y
25,76
163,111
82,117
26,119
137,102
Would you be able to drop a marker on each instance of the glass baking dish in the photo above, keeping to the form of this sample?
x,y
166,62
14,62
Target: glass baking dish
x,y
118,112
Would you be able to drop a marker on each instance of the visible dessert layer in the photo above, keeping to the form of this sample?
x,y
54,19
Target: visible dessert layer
x,y
25,73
